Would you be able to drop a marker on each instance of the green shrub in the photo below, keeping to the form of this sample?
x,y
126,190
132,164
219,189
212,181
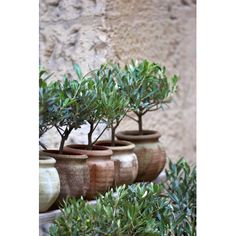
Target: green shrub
x,y
140,209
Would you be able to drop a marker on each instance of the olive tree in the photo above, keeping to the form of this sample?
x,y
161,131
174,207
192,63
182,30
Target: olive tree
x,y
148,88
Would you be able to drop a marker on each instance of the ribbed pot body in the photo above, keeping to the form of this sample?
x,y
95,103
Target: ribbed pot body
x,y
101,168
150,153
73,172
49,183
125,160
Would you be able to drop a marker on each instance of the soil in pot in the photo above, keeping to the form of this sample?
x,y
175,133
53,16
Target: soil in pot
x,y
73,172
49,183
101,168
125,160
151,155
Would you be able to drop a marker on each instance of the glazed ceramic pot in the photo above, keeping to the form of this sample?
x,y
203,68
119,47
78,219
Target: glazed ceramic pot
x,y
49,183
125,160
101,168
151,155
73,172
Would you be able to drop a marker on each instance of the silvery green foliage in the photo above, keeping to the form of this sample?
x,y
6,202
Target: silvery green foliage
x,y
93,99
61,106
147,86
138,209
104,100
114,102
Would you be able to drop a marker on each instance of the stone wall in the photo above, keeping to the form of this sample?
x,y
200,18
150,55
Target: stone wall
x,y
91,32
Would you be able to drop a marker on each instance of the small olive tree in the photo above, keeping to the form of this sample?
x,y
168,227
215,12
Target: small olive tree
x,y
114,101
65,111
93,101
148,88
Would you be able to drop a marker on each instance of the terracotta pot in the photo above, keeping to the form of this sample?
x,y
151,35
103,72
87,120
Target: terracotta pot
x,y
101,168
49,183
151,155
73,171
125,160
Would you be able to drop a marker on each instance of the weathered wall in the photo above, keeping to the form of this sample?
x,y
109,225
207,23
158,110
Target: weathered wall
x,y
91,32
72,31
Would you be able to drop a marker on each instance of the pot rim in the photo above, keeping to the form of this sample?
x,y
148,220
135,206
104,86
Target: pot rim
x,y
65,155
132,135
125,145
46,160
81,148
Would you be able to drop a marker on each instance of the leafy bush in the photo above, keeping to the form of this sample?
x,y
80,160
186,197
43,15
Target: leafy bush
x,y
140,209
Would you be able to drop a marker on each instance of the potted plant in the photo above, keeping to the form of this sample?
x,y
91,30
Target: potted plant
x,y
49,182
65,114
115,106
101,166
148,88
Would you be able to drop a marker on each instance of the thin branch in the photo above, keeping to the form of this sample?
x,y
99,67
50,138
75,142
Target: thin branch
x,y
119,120
117,124
132,117
96,125
150,109
155,109
99,136
58,130
42,145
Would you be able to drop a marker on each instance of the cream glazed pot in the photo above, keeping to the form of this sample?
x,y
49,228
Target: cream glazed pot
x,y
125,161
49,183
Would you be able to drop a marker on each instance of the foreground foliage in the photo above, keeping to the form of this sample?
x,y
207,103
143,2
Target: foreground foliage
x,y
139,209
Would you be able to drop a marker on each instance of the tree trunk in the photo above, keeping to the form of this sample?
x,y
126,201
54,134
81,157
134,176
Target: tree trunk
x,y
140,124
63,139
113,136
90,144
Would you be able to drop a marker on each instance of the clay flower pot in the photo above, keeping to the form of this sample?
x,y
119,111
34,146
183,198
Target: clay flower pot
x,y
151,156
125,160
101,168
49,183
73,171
